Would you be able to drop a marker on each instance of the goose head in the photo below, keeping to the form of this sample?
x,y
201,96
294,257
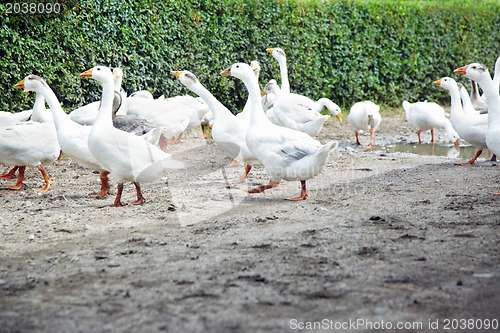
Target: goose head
x,y
271,87
118,73
187,78
447,83
239,70
277,54
32,83
255,67
473,71
99,73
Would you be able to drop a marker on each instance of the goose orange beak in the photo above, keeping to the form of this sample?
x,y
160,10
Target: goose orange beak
x,y
438,82
176,73
263,93
461,70
270,50
226,72
87,73
19,84
339,116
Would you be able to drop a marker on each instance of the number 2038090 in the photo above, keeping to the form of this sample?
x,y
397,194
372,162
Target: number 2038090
x,y
32,8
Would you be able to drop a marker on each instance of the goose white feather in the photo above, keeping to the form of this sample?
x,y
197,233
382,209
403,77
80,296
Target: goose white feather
x,y
72,136
297,111
423,116
126,156
228,131
31,144
481,75
470,126
285,153
9,118
364,116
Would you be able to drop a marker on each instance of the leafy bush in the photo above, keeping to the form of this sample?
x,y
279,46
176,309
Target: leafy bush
x,y
348,51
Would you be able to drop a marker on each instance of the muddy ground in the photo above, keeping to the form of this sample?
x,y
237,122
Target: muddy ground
x,y
383,239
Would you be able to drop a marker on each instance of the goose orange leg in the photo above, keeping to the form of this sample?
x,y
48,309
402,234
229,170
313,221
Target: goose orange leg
x,y
104,184
472,160
303,193
357,138
163,143
47,179
140,198
262,188
10,174
20,178
419,140
118,197
371,139
233,163
243,176
432,136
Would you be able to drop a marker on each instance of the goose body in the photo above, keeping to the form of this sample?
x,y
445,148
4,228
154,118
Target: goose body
x,y
73,137
470,126
228,131
285,153
8,118
364,116
297,111
481,75
28,144
126,156
423,116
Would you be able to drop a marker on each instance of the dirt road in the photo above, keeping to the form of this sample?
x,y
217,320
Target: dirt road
x,y
382,239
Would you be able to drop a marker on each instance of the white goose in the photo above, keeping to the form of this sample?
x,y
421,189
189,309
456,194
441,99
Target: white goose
x,y
285,153
423,116
30,144
297,111
471,128
72,136
364,116
481,75
126,156
228,131
171,114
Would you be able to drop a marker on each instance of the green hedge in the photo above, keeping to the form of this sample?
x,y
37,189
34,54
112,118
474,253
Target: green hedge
x,y
348,51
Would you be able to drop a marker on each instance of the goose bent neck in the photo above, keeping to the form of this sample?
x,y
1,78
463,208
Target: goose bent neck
x,y
60,117
218,109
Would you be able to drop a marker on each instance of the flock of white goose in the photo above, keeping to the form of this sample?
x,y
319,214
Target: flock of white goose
x,y
127,137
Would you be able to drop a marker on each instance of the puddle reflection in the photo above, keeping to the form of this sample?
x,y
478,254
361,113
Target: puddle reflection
x,y
429,149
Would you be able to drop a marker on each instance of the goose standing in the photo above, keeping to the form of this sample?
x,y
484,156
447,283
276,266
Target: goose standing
x,y
471,128
126,156
30,144
481,75
364,116
297,111
228,131
72,136
423,116
285,153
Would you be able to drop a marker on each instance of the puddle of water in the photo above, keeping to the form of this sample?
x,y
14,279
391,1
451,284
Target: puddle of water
x,y
428,149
